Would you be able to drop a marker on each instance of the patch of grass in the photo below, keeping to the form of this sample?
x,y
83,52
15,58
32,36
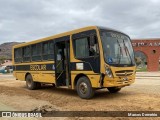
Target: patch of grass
x,y
141,70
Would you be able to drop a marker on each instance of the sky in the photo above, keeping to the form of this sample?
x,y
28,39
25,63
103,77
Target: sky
x,y
27,20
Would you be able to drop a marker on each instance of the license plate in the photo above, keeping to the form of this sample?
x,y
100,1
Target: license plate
x,y
125,79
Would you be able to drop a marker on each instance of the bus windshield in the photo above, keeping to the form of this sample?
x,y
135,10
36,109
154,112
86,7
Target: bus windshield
x,y
117,49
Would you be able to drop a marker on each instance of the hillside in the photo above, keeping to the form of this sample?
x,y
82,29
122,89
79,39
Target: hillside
x,y
6,49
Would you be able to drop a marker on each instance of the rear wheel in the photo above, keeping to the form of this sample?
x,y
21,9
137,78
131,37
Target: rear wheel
x,y
114,89
84,88
31,85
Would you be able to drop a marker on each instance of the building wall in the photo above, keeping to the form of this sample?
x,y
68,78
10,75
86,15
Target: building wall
x,y
151,48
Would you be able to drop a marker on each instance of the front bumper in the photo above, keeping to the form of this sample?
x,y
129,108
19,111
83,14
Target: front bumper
x,y
121,77
118,81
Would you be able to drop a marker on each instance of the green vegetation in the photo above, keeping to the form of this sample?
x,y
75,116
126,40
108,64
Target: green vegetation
x,y
2,58
144,69
141,61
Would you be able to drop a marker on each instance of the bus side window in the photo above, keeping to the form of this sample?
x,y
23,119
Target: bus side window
x,y
51,50
26,54
93,47
18,55
45,51
36,52
81,47
48,50
84,48
85,44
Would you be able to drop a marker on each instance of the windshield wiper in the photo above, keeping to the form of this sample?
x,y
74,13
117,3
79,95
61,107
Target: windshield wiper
x,y
127,51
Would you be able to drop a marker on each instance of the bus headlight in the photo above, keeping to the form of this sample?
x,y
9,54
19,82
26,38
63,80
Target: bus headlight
x,y
109,72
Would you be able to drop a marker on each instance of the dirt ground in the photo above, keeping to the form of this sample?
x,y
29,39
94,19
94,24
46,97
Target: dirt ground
x,y
143,95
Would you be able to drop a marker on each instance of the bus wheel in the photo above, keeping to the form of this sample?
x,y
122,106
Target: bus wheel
x,y
38,85
114,89
30,83
84,88
53,85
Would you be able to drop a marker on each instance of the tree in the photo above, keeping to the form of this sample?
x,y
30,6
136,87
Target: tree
x,y
138,61
2,58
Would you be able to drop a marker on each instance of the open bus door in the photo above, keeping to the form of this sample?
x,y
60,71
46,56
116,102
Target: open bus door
x,y
62,62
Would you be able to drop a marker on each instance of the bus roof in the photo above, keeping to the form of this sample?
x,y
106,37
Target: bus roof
x,y
111,29
64,34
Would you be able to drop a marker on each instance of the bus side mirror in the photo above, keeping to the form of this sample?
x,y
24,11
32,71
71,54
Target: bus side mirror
x,y
92,40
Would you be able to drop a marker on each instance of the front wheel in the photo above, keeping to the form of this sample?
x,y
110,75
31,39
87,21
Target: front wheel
x,y
84,88
114,89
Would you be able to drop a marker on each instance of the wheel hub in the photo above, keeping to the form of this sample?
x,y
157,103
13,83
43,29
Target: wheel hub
x,y
83,88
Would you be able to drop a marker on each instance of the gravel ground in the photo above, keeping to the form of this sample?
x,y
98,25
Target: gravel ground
x,y
143,95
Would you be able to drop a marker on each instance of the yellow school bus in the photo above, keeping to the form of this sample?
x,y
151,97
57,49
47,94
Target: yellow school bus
x,y
84,59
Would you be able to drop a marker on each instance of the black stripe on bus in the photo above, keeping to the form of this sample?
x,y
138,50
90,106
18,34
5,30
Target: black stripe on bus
x,y
51,67
34,67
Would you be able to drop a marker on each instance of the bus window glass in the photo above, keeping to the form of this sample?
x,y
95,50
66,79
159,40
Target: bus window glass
x,y
51,50
18,55
26,53
117,49
81,47
48,50
38,49
36,52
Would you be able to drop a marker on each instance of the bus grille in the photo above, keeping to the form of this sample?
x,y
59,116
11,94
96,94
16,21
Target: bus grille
x,y
124,73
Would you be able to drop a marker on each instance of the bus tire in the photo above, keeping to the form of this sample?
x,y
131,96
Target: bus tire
x,y
84,88
38,85
31,85
113,89
53,85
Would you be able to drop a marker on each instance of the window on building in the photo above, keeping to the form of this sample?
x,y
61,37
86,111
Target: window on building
x,y
154,51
